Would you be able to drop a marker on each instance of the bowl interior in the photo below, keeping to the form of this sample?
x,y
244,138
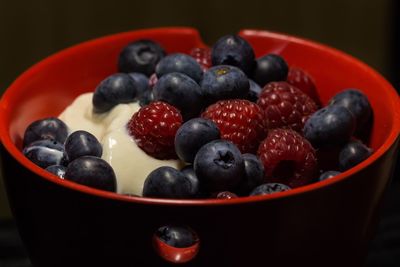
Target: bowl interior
x,y
52,84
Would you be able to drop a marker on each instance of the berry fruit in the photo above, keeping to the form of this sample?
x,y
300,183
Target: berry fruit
x,y
58,170
219,166
353,153
254,91
146,98
49,128
92,171
189,172
269,188
167,182
115,89
300,79
181,63
224,82
235,51
154,127
181,91
141,82
285,106
270,68
327,175
45,153
82,143
329,126
203,56
240,121
356,102
177,236
254,174
192,135
226,195
288,158
140,56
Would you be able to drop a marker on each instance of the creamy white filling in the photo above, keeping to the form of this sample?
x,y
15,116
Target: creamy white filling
x,y
131,165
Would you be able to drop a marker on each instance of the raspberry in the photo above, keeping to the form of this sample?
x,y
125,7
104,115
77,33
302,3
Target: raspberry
x,y
239,121
288,158
154,127
285,106
203,56
300,79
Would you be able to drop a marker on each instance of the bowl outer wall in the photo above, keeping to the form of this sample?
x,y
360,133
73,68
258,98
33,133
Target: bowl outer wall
x,y
344,207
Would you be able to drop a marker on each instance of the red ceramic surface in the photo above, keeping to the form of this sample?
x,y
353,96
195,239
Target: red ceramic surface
x,y
66,224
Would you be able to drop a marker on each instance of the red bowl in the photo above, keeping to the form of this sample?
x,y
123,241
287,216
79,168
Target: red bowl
x,y
65,224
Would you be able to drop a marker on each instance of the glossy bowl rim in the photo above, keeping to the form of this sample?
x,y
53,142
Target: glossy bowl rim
x,y
17,154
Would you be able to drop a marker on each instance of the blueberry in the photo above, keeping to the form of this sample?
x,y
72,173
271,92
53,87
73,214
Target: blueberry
x,y
226,195
328,175
45,153
177,236
254,91
92,171
146,98
188,171
235,51
269,188
141,82
353,153
115,89
224,82
180,91
167,182
355,101
140,56
58,170
254,174
219,166
192,135
270,68
49,128
82,143
329,126
179,63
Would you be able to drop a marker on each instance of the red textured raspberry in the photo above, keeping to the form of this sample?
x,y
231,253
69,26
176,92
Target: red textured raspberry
x,y
300,79
240,121
285,106
203,56
288,158
153,128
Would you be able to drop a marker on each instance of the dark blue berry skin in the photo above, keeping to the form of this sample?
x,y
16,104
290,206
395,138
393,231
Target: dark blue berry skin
x,y
58,170
141,82
177,236
49,128
188,171
167,182
269,188
219,166
355,101
180,63
140,56
254,174
92,171
353,153
254,91
182,92
192,135
328,175
146,98
329,126
115,89
82,143
224,82
45,153
235,51
270,68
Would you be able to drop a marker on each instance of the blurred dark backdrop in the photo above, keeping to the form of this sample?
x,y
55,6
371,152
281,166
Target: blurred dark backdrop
x,y
368,30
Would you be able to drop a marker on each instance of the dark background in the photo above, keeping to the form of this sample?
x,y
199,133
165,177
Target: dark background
x,y
368,30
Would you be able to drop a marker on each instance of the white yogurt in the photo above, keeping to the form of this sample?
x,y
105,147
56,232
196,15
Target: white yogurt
x,y
131,165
